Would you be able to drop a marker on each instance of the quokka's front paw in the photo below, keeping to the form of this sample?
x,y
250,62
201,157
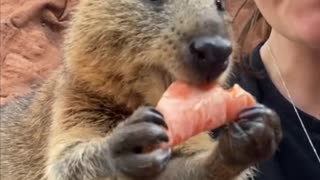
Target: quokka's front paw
x,y
144,128
254,138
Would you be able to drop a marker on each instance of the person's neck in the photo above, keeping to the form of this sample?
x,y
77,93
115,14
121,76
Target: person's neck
x,y
300,68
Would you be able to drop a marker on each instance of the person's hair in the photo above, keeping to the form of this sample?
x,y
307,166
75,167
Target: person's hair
x,y
255,26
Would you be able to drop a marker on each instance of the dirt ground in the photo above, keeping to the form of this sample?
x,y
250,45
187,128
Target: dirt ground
x,y
31,35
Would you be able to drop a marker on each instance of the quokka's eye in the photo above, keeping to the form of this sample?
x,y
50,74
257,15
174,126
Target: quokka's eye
x,y
157,2
220,5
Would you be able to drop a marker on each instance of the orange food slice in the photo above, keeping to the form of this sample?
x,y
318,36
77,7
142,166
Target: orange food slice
x,y
189,110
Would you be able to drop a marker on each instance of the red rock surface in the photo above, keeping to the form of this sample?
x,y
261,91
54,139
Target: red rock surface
x,y
31,38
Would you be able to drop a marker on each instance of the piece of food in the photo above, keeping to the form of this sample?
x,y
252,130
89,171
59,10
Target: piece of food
x,y
189,110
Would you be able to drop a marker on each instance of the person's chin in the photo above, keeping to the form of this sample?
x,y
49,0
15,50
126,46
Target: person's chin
x,y
308,29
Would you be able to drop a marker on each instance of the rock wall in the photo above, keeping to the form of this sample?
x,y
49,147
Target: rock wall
x,y
31,33
31,37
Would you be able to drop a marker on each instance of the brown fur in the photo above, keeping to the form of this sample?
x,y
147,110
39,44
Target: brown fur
x,y
119,55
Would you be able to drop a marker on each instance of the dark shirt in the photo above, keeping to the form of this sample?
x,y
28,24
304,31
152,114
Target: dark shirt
x,y
295,159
